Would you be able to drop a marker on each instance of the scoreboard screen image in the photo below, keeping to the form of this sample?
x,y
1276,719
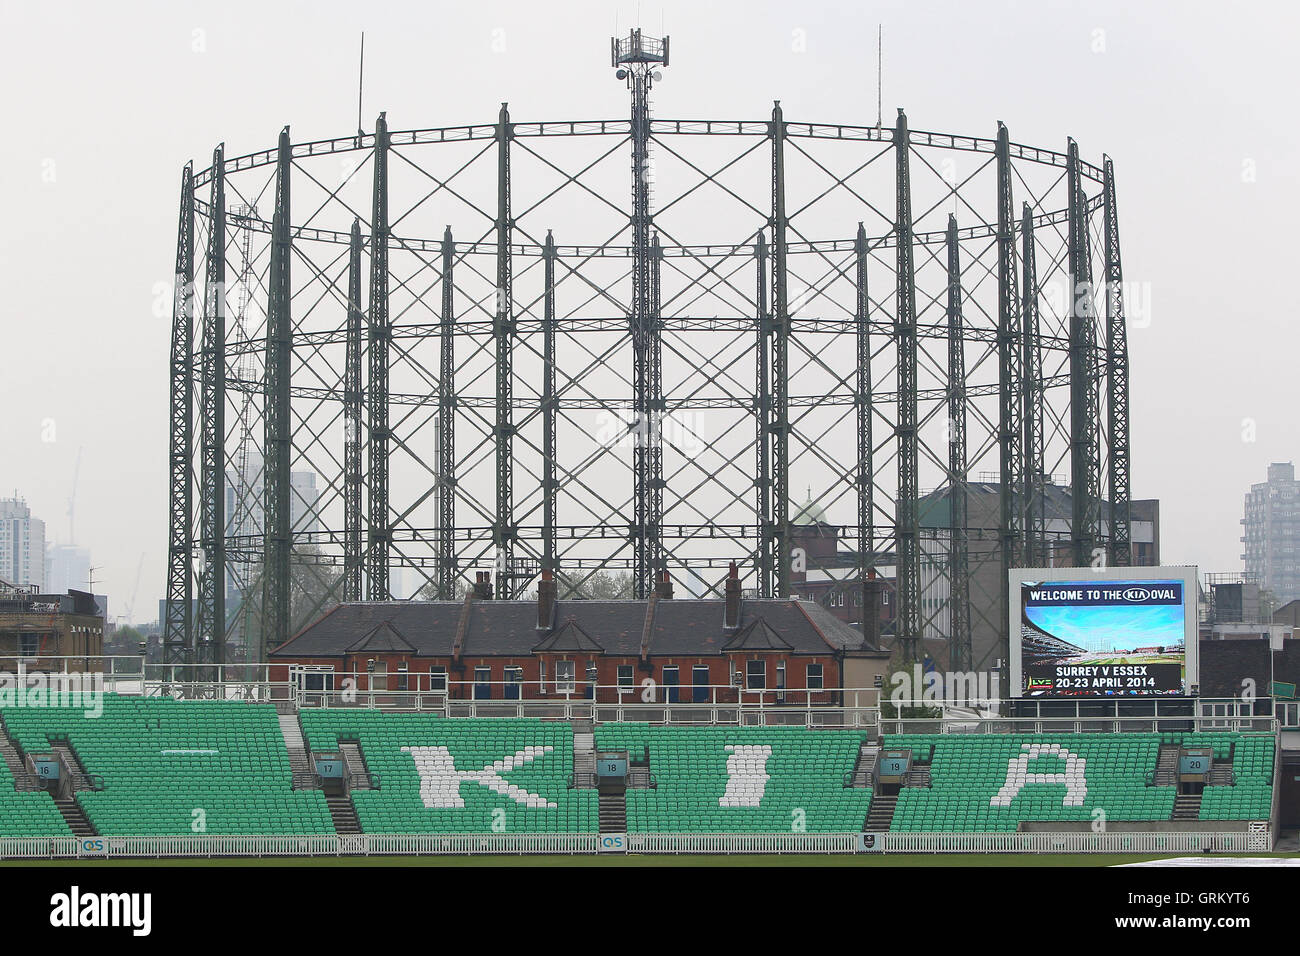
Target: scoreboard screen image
x,y
1090,637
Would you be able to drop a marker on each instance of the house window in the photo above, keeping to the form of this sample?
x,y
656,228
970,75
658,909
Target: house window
x,y
813,679
625,676
564,671
514,677
27,645
756,675
438,678
403,682
670,682
482,683
700,678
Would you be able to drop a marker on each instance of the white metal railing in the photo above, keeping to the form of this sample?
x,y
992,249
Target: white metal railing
x,y
127,665
769,843
368,844
682,704
1075,725
1256,839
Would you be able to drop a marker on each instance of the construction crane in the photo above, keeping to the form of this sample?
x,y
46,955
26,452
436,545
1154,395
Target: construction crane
x,y
130,607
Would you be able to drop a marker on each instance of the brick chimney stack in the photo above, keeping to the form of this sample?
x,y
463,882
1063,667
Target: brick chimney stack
x,y
483,585
873,589
547,592
664,586
731,617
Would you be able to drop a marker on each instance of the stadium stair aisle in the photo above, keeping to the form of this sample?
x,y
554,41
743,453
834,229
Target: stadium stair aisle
x,y
178,767
25,812
459,775
1252,757
742,779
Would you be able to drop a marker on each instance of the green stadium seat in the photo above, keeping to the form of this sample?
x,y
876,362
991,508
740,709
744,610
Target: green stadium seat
x,y
789,779
532,761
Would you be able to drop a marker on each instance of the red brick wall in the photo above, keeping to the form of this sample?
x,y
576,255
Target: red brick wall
x,y
606,669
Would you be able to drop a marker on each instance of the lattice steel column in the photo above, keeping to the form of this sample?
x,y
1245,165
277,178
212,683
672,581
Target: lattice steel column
x,y
177,633
447,425
1032,392
908,543
647,378
381,331
865,474
960,654
780,362
550,486
763,422
1010,426
1084,469
1009,372
503,529
354,555
210,630
277,414
1121,536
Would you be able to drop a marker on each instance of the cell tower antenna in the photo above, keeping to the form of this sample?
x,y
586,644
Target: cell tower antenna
x,y
637,60
361,76
880,73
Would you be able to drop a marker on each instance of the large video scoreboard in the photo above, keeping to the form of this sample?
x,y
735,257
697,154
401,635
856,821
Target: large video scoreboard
x,y
1103,632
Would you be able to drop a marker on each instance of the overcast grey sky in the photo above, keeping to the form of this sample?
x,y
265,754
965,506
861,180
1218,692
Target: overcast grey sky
x,y
103,104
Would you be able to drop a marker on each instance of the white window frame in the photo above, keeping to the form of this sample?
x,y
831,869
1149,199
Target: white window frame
x,y
820,678
438,675
508,674
749,678
566,673
626,678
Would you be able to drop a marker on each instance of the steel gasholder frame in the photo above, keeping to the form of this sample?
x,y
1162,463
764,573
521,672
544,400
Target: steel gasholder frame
x,y
803,339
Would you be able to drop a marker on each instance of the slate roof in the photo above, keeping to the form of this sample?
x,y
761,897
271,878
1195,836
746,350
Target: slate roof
x,y
758,636
569,636
384,638
681,627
